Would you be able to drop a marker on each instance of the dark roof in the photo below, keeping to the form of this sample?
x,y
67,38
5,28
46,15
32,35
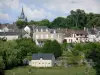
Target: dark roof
x,y
68,32
8,33
44,56
41,27
83,32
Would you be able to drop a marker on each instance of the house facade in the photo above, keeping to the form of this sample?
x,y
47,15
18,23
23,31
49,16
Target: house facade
x,y
42,60
75,36
9,35
42,33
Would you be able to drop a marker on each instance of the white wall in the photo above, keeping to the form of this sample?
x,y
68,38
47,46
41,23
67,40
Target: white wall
x,y
42,63
91,38
10,37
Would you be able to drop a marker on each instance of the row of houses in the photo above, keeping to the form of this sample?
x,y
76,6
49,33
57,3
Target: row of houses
x,y
42,33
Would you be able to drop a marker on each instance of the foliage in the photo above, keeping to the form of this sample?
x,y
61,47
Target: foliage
x,y
44,22
49,71
2,66
52,47
95,22
58,22
21,24
26,47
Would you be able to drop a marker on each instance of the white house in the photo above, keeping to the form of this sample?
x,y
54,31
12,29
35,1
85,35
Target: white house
x,y
42,60
42,33
27,29
92,35
9,35
75,36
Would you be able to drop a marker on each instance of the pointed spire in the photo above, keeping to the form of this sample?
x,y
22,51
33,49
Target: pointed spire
x,y
22,9
22,16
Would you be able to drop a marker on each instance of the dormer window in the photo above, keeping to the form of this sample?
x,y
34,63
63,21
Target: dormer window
x,y
36,30
40,58
46,30
41,30
54,31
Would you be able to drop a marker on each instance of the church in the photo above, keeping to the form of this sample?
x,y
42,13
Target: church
x,y
22,16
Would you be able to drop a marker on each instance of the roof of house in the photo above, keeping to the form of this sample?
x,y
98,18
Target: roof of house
x,y
44,56
81,32
8,33
68,32
41,27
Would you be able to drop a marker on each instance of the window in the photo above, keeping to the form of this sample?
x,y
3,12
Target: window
x,y
37,36
46,35
41,30
46,30
41,36
36,30
76,38
51,35
77,34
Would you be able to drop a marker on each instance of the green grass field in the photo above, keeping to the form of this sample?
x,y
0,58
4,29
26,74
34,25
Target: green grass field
x,y
49,71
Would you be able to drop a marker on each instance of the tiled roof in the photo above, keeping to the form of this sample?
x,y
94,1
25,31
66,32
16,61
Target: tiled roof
x,y
44,56
8,33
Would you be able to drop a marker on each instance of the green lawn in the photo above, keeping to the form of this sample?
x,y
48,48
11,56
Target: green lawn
x,y
49,71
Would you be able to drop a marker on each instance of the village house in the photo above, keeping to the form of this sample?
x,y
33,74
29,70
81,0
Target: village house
x,y
42,33
42,60
9,35
94,34
75,36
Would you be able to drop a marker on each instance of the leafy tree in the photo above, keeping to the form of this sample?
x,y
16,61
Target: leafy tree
x,y
64,46
33,22
76,19
2,66
95,22
21,24
94,54
44,22
26,46
58,22
52,47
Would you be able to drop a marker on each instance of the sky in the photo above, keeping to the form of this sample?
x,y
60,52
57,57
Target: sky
x,y
37,10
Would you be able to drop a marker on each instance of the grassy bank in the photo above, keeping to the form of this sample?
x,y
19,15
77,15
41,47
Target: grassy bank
x,y
27,70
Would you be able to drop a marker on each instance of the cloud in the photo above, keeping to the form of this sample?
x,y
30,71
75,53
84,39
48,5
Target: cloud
x,y
45,9
4,16
37,13
64,6
13,4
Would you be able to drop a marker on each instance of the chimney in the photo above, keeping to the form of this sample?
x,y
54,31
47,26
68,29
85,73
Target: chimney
x,y
84,28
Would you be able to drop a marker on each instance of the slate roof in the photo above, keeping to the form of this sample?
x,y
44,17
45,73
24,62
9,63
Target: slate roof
x,y
41,27
44,56
8,33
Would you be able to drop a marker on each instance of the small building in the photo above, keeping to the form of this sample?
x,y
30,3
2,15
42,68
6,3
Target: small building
x,y
42,60
43,33
75,36
22,16
9,35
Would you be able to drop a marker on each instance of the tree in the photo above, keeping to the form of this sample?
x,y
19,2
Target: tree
x,y
21,24
26,46
52,47
58,22
94,54
76,19
64,46
95,22
33,22
44,22
2,66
